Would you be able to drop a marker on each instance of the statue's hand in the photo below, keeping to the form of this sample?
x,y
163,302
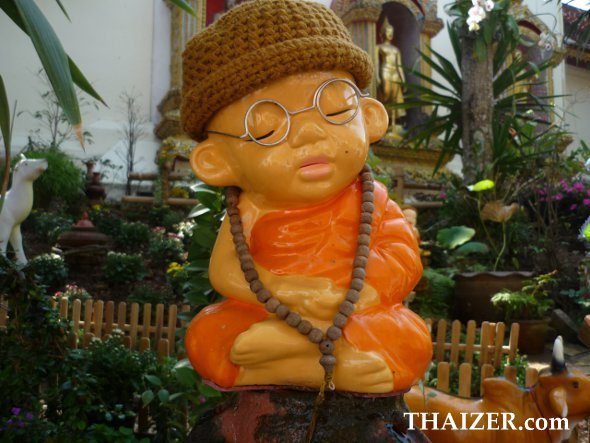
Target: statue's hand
x,y
318,297
312,297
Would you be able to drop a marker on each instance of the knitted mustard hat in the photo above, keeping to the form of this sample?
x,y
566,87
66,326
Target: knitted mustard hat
x,y
258,42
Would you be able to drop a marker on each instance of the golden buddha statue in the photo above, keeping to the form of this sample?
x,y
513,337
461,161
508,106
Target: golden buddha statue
x,y
390,75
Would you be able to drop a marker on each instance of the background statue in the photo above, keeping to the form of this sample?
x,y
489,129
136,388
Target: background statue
x,y
390,74
18,205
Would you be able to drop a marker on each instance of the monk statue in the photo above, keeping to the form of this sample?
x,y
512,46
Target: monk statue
x,y
390,75
313,258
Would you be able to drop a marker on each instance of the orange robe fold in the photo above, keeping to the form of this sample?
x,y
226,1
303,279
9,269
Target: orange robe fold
x,y
321,241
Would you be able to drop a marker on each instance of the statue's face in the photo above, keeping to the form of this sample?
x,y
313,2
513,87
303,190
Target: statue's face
x,y
388,33
317,159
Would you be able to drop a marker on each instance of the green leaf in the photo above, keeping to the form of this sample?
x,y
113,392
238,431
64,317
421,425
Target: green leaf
x,y
82,82
153,379
450,238
147,397
186,376
473,248
208,391
163,395
199,210
53,58
482,185
4,114
185,6
63,9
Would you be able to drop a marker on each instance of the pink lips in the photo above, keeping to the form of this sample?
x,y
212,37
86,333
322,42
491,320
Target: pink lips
x,y
315,168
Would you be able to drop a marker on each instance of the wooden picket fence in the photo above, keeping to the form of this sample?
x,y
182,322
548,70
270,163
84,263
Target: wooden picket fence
x,y
145,327
96,319
490,351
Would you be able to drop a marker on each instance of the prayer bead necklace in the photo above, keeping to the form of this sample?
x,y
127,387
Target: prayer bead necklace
x,y
282,311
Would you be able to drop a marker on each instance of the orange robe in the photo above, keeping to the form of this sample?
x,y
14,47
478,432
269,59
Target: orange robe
x,y
321,241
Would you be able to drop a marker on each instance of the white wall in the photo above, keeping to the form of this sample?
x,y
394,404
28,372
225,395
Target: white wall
x,y
578,104
112,42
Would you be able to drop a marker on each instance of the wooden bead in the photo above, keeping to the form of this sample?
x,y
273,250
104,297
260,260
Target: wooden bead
x,y
366,168
366,176
243,252
362,251
359,273
256,285
328,361
356,284
360,262
263,295
232,198
368,186
251,275
346,308
340,320
304,327
368,196
272,304
246,264
364,239
294,319
327,347
353,295
239,239
365,228
366,218
235,219
282,311
231,211
368,207
236,229
334,333
315,335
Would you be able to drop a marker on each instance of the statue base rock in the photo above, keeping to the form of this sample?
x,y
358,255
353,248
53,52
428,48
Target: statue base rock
x,y
284,415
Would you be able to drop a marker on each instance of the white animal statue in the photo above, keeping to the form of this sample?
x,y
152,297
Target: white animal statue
x,y
18,204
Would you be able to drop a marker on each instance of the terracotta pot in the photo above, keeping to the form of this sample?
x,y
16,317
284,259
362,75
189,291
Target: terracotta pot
x,y
474,291
532,336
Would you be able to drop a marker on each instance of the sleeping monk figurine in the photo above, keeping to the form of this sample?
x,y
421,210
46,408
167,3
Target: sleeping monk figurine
x,y
313,259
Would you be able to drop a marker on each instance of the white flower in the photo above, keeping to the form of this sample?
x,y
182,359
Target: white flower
x,y
489,5
473,25
476,15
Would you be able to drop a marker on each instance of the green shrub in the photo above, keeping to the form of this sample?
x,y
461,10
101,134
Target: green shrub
x,y
49,225
62,180
165,248
143,294
434,300
131,236
122,268
50,270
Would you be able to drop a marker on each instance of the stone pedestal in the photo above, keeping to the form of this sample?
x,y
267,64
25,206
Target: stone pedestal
x,y
284,415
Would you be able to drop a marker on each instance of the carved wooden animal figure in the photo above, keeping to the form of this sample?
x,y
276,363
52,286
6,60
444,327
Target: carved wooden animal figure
x,y
18,204
559,393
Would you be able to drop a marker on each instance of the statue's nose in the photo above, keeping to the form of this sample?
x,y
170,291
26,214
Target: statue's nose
x,y
307,131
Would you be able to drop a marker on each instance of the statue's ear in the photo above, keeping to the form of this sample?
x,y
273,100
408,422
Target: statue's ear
x,y
210,164
375,118
558,401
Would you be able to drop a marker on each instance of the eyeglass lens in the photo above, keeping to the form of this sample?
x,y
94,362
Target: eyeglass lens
x,y
268,123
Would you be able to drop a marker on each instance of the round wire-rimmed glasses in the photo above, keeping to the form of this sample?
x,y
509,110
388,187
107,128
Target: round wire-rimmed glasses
x,y
268,123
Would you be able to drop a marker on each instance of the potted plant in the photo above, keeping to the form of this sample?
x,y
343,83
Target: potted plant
x,y
529,307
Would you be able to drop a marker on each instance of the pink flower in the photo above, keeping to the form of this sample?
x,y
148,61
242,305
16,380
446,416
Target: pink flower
x,y
586,202
58,294
558,196
159,229
573,207
172,235
442,195
541,191
588,192
578,186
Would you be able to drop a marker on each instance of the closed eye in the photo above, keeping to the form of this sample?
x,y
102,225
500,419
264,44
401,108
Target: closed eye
x,y
262,137
333,114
